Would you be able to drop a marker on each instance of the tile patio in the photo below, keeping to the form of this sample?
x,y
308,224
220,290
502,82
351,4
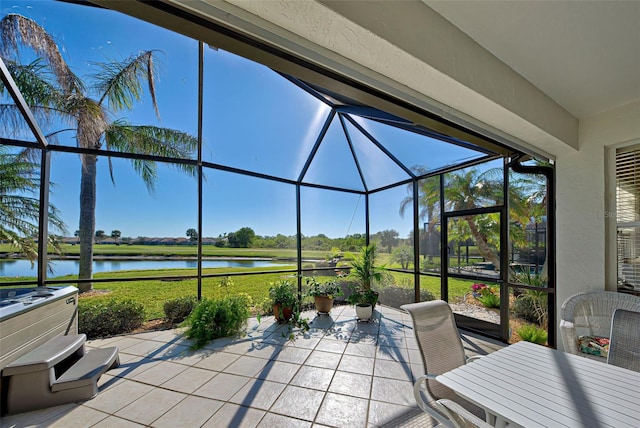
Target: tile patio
x,y
341,373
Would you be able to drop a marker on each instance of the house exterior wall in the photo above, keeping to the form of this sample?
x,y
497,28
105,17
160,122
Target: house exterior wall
x,y
581,210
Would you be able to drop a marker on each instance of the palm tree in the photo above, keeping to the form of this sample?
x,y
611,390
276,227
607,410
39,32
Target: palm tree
x,y
466,189
20,205
117,87
530,193
363,267
116,234
470,188
428,198
388,238
99,235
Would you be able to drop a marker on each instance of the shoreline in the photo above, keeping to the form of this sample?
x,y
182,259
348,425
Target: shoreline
x,y
155,257
7,256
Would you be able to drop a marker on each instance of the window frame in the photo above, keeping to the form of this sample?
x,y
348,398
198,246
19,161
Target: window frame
x,y
610,214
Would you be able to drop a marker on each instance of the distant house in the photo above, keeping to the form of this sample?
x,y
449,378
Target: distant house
x,y
143,240
71,240
181,241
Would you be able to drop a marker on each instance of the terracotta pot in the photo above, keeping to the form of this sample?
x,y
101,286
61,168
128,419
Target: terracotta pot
x,y
364,311
323,304
282,314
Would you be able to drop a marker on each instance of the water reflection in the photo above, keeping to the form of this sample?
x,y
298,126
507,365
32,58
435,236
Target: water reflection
x,y
13,267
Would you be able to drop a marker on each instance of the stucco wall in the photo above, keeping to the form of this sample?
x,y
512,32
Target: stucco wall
x,y
580,202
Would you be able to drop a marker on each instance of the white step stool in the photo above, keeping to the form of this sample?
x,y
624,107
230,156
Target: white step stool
x,y
55,373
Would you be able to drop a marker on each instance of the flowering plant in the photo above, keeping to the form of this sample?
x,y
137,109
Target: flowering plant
x,y
479,288
488,296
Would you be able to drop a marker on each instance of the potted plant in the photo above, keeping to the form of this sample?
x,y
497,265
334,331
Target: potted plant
x,y
364,271
284,299
323,293
364,301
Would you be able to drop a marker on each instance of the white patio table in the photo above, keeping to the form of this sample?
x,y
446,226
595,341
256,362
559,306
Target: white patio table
x,y
535,386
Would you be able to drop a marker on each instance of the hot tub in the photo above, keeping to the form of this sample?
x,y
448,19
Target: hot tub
x,y
31,316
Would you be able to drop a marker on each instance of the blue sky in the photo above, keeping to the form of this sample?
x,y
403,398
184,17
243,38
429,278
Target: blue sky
x,y
253,119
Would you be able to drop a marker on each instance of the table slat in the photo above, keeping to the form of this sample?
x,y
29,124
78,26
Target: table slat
x,y
532,385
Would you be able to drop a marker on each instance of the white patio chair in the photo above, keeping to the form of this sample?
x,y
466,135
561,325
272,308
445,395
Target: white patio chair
x,y
590,314
441,348
459,416
624,350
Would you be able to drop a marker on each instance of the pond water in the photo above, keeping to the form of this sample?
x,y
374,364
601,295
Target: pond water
x,y
16,267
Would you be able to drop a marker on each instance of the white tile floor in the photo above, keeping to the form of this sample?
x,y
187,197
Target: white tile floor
x,y
341,373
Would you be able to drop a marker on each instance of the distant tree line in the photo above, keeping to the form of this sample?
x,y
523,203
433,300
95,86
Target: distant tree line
x,y
246,237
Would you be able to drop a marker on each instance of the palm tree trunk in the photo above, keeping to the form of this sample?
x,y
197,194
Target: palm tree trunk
x,y
431,228
87,219
481,241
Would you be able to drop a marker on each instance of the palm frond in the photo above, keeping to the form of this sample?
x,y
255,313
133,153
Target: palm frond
x,y
34,82
151,140
13,125
17,30
17,172
19,203
47,101
26,246
56,224
148,170
110,162
120,83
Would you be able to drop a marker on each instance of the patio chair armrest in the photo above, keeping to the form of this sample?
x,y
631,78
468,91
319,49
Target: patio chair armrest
x,y
429,405
474,357
460,416
569,336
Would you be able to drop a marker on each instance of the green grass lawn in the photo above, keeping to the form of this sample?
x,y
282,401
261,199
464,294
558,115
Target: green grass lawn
x,y
152,293
457,287
183,251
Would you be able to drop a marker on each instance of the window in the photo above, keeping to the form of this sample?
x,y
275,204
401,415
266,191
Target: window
x,y
628,217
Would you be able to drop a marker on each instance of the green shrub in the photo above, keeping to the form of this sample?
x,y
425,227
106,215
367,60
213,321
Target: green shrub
x,y
211,319
531,306
524,308
532,333
109,318
397,296
528,278
489,300
487,295
177,310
